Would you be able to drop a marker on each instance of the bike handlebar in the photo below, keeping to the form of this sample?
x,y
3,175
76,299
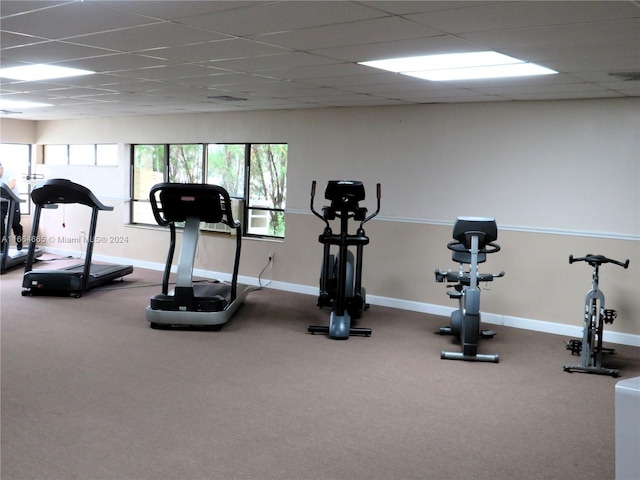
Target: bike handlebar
x,y
487,248
594,260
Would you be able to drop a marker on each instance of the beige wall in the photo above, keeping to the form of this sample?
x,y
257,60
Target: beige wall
x,y
560,177
17,131
533,165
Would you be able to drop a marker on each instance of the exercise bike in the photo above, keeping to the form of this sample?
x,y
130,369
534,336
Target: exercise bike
x,y
474,238
595,316
341,274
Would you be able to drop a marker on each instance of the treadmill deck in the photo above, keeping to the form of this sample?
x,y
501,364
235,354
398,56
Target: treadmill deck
x,y
69,280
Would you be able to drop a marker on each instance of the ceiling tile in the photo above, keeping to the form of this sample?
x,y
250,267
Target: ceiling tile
x,y
165,57
69,19
282,17
351,33
163,34
520,15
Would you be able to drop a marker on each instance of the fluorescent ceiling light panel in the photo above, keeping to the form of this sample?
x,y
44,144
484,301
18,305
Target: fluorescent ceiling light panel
x,y
460,66
21,104
32,73
494,71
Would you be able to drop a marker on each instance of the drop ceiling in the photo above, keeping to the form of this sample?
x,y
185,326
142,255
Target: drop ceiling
x,y
169,57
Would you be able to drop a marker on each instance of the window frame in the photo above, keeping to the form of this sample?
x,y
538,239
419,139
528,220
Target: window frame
x,y
204,172
68,160
30,163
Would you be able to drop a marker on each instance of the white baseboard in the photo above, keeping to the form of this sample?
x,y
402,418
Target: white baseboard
x,y
572,331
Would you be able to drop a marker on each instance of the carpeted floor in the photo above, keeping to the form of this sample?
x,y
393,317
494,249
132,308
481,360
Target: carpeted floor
x,y
90,392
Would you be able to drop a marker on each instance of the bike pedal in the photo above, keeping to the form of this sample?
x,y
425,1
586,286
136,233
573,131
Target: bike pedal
x,y
609,316
488,333
575,346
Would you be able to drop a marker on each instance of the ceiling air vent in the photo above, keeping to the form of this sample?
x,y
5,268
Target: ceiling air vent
x,y
626,76
226,98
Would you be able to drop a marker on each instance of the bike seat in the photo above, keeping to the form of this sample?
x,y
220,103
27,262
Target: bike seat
x,y
484,228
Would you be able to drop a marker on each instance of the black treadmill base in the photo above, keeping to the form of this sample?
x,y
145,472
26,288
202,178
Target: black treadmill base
x,y
199,304
69,281
41,292
192,328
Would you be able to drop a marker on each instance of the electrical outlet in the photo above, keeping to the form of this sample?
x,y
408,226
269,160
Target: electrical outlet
x,y
271,255
487,286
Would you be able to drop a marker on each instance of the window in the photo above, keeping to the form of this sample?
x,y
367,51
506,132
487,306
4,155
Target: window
x,y
267,189
16,161
90,154
56,154
226,167
107,155
148,169
252,173
186,163
82,154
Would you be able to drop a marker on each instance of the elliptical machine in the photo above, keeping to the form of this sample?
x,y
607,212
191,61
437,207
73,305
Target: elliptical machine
x,y
341,274
473,239
595,316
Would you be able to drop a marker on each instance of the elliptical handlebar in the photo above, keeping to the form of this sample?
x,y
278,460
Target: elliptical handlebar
x,y
597,260
313,194
378,196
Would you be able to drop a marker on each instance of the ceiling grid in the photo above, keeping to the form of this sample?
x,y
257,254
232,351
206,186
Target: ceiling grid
x,y
159,57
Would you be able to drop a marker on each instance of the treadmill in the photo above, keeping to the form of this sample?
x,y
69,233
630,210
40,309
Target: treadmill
x,y
74,280
190,304
11,257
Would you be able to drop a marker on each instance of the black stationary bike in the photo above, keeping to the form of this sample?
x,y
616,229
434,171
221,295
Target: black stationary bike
x,y
595,316
473,239
341,274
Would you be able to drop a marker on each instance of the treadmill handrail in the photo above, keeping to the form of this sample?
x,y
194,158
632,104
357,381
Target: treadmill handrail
x,y
191,193
6,195
9,195
62,190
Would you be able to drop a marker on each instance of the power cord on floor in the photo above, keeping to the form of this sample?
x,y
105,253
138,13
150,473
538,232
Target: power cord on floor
x,y
268,266
260,286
